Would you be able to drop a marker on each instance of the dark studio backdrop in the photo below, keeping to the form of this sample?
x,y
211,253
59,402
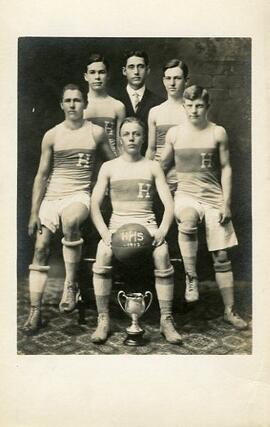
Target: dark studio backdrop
x,y
222,65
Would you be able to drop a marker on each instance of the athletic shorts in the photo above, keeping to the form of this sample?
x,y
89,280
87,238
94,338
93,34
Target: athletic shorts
x,y
51,210
148,221
218,236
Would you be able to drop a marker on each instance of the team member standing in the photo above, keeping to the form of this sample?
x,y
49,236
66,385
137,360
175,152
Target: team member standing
x,y
61,193
169,113
201,154
131,180
103,109
138,100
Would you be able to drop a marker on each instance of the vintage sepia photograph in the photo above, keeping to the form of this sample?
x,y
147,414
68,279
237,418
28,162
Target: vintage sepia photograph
x,y
134,216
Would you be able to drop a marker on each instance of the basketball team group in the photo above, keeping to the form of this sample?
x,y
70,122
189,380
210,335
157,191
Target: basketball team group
x,y
152,149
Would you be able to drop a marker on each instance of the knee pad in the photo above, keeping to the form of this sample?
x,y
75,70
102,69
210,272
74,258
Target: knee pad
x,y
72,250
102,269
222,266
72,243
185,228
164,273
41,268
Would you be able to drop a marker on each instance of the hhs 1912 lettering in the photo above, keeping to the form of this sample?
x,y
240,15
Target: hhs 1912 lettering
x,y
132,239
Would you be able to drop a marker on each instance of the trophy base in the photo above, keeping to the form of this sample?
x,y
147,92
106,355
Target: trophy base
x,y
135,339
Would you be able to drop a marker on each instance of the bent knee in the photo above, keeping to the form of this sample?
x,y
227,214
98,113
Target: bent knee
x,y
161,257
104,270
70,225
220,256
104,254
41,253
188,219
188,227
164,272
221,262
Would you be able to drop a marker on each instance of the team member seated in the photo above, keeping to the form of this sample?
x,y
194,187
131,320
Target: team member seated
x,y
131,180
61,194
201,154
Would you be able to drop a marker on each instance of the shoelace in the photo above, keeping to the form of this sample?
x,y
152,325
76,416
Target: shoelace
x,y
103,319
33,312
236,315
71,294
191,286
169,320
191,282
170,326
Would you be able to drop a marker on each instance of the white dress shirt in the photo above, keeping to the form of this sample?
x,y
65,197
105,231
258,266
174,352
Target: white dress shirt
x,y
131,92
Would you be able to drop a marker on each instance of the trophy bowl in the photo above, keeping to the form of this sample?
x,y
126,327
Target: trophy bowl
x,y
134,306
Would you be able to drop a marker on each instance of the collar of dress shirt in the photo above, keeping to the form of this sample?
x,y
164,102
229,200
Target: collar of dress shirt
x,y
140,91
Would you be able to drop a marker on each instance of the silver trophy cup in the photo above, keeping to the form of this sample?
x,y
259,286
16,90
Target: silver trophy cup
x,y
134,306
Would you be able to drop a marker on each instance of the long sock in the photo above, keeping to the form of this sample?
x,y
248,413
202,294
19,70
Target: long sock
x,y
37,283
164,288
72,256
188,244
102,288
225,284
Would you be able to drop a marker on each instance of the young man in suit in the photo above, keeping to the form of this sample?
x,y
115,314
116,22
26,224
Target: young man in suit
x,y
137,99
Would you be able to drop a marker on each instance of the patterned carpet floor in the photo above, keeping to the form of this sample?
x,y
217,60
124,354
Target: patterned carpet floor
x,y
200,324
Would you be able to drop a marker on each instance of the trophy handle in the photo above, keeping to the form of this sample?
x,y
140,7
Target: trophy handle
x,y
150,300
121,293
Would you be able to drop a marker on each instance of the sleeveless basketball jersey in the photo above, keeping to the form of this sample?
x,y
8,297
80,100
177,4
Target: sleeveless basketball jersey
x,y
167,116
132,192
109,126
104,115
73,160
161,131
197,163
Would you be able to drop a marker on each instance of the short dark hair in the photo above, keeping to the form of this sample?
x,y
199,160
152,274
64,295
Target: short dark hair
x,y
176,63
72,86
97,57
139,53
196,92
133,120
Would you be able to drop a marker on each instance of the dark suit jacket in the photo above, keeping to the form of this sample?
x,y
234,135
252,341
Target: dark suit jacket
x,y
149,100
